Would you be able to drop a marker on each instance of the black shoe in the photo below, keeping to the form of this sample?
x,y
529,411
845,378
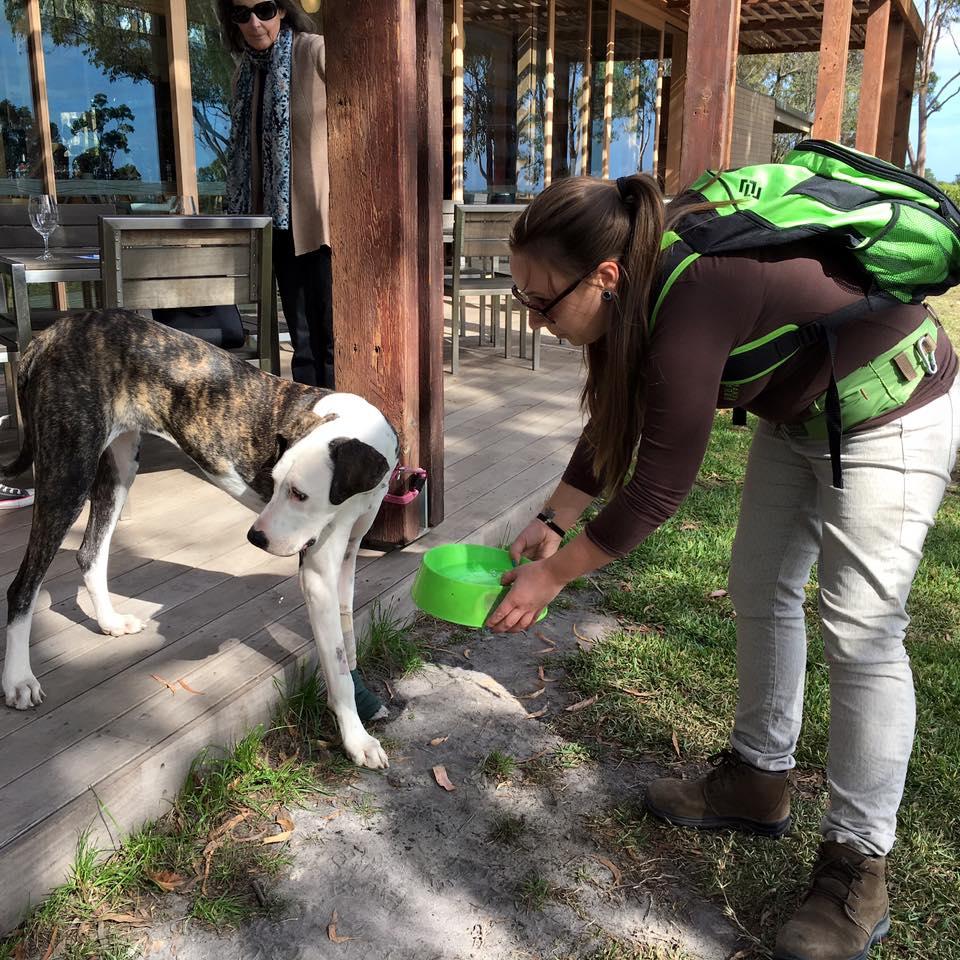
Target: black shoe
x,y
13,497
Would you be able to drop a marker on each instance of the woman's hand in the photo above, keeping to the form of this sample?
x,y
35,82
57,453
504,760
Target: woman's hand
x,y
535,542
532,587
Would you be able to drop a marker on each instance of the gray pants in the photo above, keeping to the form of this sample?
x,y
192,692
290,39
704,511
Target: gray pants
x,y
867,541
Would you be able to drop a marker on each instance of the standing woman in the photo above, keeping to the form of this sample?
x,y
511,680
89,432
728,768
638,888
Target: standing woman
x,y
278,164
585,260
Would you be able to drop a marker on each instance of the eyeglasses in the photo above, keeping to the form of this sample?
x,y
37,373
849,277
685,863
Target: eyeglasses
x,y
545,309
266,10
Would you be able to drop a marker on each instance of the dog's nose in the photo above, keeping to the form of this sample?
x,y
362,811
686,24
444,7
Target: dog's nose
x,y
258,538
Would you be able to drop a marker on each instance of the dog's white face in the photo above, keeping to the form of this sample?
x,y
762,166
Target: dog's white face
x,y
342,464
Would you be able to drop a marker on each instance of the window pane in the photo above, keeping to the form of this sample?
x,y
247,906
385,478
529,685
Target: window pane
x,y
109,96
636,53
20,168
571,135
504,101
598,60
211,71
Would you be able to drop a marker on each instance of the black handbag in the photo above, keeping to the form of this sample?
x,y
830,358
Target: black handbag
x,y
220,326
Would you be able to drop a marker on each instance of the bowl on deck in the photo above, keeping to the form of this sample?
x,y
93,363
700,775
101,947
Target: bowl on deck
x,y
460,583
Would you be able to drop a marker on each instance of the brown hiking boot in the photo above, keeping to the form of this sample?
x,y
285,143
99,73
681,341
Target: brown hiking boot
x,y
734,795
845,911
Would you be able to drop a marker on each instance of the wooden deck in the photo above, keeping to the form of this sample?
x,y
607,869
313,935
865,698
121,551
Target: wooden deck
x,y
111,744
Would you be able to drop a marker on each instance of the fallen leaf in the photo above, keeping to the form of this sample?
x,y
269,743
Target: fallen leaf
x,y
612,867
716,594
543,678
580,636
539,713
286,831
535,756
230,824
584,646
640,694
53,942
466,652
123,918
389,689
538,653
675,742
332,931
321,744
583,704
166,683
186,686
167,880
689,526
20,951
540,635
532,696
436,741
440,775
332,816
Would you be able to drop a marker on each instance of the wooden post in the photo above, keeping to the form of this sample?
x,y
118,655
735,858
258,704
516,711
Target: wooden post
x,y
456,115
551,87
678,86
832,74
38,80
430,246
658,106
874,58
901,126
890,88
372,86
608,93
181,96
711,85
583,112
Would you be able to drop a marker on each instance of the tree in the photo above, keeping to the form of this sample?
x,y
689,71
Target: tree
x,y
98,161
933,94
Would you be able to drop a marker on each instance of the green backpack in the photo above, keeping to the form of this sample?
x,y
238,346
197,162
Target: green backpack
x,y
902,229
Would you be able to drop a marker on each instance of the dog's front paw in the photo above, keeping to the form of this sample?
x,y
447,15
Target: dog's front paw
x,y
365,751
121,624
23,693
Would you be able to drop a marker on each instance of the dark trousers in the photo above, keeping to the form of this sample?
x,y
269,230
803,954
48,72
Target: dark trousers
x,y
306,292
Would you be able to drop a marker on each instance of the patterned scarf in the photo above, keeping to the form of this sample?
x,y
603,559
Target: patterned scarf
x,y
275,65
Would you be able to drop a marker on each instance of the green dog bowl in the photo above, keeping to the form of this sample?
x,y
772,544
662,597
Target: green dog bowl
x,y
460,583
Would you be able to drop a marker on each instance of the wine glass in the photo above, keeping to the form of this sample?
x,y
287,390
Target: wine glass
x,y
45,219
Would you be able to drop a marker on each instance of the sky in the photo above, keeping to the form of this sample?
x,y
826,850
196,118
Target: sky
x,y
943,128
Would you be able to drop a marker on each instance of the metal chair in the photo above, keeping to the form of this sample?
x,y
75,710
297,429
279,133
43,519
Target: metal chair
x,y
153,262
482,231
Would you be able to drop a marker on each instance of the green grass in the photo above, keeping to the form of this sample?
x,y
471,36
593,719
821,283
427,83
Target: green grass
x,y
498,766
678,644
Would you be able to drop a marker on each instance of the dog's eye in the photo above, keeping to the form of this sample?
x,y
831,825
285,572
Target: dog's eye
x,y
297,494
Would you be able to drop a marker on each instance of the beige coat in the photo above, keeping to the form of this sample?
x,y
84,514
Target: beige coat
x,y
309,176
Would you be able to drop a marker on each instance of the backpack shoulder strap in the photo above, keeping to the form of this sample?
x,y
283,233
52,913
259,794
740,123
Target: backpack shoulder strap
x,y
675,256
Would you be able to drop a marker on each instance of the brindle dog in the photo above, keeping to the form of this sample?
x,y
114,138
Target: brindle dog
x,y
314,464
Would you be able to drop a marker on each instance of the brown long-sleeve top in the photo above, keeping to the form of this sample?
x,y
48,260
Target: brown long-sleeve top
x,y
717,304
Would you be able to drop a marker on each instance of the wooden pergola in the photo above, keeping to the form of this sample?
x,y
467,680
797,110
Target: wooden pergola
x,y
385,132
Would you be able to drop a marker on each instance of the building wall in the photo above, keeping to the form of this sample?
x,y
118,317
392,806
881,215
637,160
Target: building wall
x,y
753,116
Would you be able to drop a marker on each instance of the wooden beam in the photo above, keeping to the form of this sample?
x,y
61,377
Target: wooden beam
x,y
796,23
608,93
430,246
551,89
911,17
456,94
901,124
832,74
889,90
711,85
658,109
874,58
181,97
678,86
38,81
372,86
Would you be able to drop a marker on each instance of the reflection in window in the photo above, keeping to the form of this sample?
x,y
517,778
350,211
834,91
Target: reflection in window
x,y
504,101
19,138
636,53
571,109
109,98
598,68
211,72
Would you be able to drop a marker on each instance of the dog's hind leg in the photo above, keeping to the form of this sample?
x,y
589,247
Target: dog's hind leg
x,y
116,472
59,500
318,579
369,706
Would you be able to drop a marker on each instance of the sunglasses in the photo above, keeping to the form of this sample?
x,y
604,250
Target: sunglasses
x,y
266,10
544,309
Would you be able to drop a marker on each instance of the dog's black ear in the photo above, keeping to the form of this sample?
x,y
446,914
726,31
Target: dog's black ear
x,y
357,467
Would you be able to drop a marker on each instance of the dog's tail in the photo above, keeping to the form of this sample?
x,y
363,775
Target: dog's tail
x,y
23,461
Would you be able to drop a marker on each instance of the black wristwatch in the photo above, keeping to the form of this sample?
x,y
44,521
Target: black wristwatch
x,y
546,516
